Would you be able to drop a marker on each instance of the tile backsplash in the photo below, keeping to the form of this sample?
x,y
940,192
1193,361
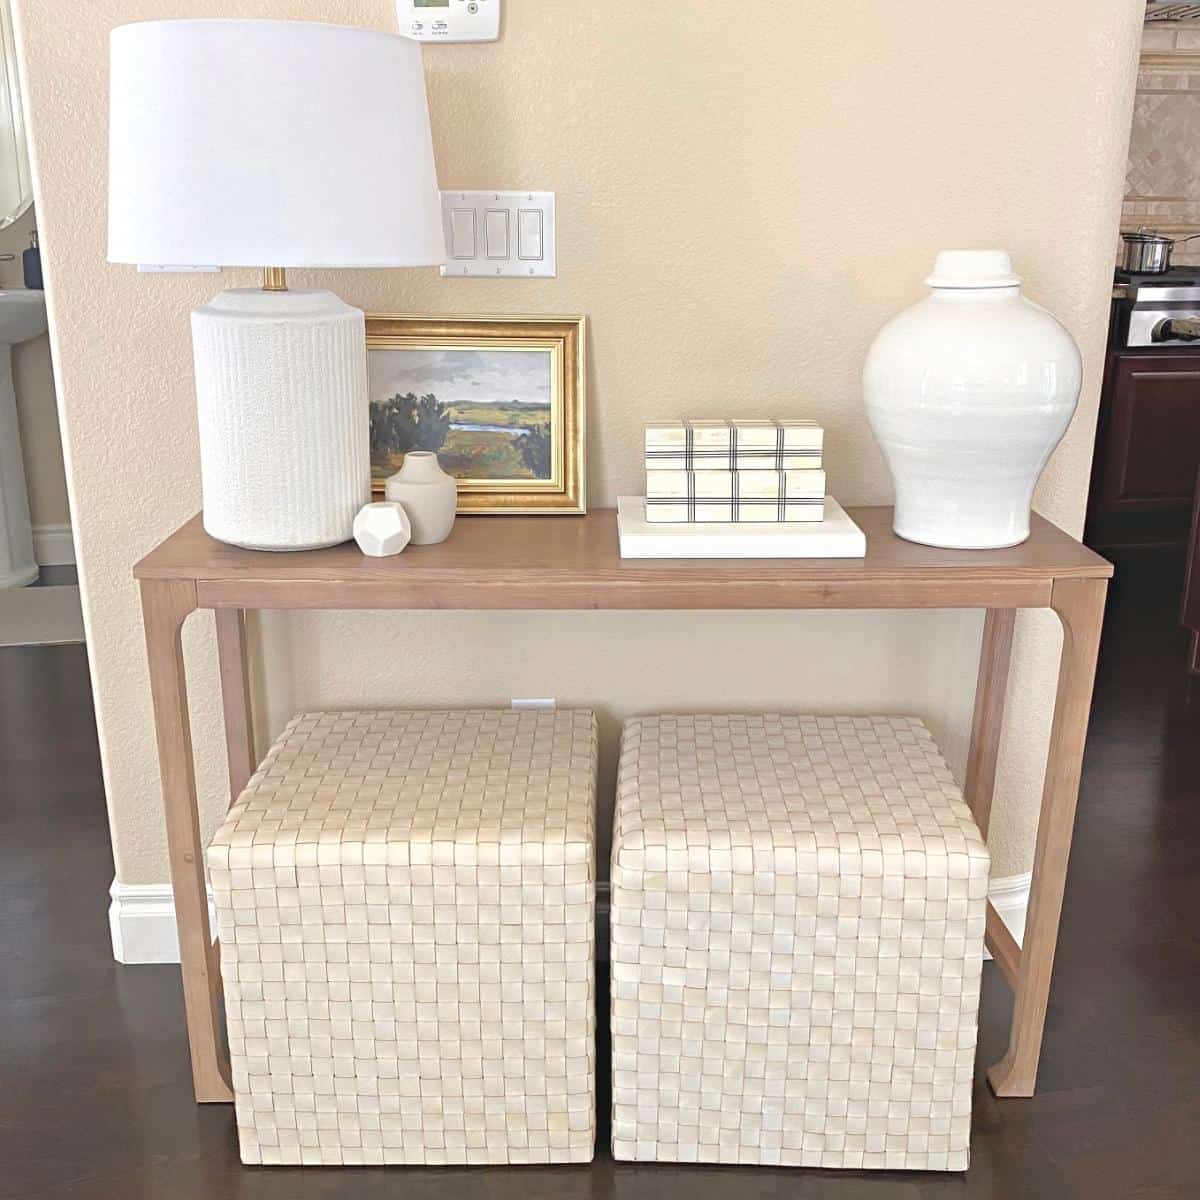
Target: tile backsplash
x,y
1162,188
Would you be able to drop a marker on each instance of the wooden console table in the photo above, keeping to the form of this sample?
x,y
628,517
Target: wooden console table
x,y
573,563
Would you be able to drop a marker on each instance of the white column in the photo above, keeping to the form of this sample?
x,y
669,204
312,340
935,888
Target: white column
x,y
17,564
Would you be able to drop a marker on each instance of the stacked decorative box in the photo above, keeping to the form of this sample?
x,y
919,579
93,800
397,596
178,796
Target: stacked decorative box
x,y
725,472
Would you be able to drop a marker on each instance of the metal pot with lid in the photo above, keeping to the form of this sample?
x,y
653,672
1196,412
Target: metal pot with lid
x,y
1148,252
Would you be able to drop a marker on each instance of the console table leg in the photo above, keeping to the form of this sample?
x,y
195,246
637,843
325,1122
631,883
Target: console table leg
x,y
1080,606
166,604
988,722
235,697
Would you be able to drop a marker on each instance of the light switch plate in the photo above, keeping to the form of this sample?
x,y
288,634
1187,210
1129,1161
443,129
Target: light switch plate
x,y
500,234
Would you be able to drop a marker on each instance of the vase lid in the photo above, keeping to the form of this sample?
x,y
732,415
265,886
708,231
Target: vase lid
x,y
973,269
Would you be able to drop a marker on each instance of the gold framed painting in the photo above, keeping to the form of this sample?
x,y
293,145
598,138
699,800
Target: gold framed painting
x,y
500,400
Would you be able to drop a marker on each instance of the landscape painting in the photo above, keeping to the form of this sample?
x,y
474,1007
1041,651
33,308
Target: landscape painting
x,y
485,413
501,408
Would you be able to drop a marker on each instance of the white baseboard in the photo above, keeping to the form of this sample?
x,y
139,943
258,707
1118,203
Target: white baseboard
x,y
1010,898
142,917
142,920
53,545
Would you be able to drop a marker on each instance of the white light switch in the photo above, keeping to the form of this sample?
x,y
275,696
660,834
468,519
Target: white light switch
x,y
501,234
462,233
529,234
496,224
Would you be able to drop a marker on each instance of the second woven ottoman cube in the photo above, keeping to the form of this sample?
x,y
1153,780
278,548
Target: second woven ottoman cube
x,y
405,903
798,908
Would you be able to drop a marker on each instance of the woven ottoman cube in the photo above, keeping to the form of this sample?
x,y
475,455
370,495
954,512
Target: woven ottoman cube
x,y
405,903
797,936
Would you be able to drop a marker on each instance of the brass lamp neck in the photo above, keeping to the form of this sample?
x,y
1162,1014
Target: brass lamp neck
x,y
274,279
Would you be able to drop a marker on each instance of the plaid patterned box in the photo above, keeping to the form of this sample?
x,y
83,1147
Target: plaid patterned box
x,y
797,936
405,903
734,445
673,497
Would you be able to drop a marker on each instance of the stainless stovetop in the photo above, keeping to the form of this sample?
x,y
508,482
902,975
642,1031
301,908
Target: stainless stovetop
x,y
1162,310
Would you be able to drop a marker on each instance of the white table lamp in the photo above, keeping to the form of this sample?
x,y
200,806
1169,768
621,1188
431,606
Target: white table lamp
x,y
273,144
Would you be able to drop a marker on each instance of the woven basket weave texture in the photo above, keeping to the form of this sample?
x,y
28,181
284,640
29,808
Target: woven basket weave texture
x,y
406,904
798,909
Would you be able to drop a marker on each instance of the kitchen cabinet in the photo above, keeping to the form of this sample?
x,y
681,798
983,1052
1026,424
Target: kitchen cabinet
x,y
1190,617
1147,451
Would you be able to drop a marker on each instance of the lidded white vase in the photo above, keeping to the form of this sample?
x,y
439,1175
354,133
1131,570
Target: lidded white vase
x,y
428,494
968,392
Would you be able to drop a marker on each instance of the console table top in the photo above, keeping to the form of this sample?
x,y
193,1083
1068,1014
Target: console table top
x,y
538,562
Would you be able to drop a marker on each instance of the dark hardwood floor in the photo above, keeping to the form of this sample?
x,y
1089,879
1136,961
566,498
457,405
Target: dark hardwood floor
x,y
94,1091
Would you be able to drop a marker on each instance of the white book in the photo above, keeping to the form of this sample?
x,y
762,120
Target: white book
x,y
748,496
835,537
737,445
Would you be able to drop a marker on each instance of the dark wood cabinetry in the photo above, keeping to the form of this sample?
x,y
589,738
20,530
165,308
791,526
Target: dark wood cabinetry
x,y
1147,451
1191,587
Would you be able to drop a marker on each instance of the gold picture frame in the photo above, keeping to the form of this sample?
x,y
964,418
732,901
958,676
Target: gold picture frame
x,y
511,453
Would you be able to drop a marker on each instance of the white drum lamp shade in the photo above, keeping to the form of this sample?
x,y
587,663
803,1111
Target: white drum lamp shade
x,y
273,144
270,143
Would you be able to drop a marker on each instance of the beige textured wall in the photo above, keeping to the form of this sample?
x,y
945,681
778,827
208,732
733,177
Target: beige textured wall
x,y
37,408
738,214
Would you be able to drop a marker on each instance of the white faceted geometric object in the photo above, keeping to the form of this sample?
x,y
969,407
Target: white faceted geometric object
x,y
382,529
280,397
406,907
798,908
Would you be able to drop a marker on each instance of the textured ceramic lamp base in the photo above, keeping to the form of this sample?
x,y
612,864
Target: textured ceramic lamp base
x,y
280,397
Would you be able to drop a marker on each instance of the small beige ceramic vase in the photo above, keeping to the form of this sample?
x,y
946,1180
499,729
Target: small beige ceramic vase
x,y
428,494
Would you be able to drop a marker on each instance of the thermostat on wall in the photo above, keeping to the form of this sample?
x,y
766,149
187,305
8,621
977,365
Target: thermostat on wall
x,y
449,20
